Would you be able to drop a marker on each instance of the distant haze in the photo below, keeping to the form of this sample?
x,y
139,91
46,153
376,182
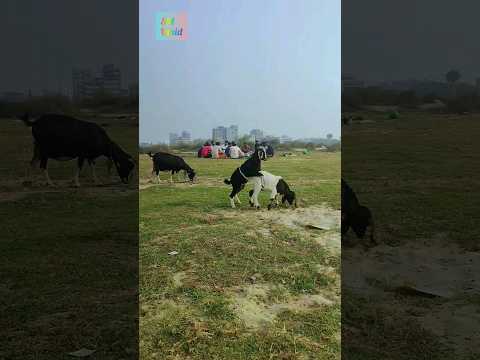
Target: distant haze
x,y
399,40
271,65
43,40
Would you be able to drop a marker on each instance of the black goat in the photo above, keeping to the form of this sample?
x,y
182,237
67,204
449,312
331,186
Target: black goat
x,y
167,162
354,215
238,179
62,137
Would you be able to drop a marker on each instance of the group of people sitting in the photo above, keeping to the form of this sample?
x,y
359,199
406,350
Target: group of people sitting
x,y
230,150
223,151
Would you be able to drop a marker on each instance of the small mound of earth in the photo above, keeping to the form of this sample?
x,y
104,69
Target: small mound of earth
x,y
435,267
314,217
330,240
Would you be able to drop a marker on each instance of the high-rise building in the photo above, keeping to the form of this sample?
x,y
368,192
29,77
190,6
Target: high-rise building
x,y
257,134
219,134
85,84
222,133
232,133
184,138
80,79
351,83
173,139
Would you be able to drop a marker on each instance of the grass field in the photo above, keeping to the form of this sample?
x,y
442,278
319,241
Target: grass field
x,y
68,274
419,175
245,284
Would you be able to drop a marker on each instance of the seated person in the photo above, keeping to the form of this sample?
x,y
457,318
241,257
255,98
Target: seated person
x,y
246,148
236,152
206,151
216,150
270,151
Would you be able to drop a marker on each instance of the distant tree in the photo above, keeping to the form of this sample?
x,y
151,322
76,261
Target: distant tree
x,y
245,139
329,136
407,98
429,98
452,77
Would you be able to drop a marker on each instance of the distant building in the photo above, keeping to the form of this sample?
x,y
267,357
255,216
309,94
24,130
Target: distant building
x,y
219,134
349,83
222,133
173,139
85,84
257,134
232,133
271,138
13,97
133,90
184,138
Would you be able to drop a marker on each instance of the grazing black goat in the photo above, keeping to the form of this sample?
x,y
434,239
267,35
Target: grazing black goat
x,y
167,162
62,137
238,179
354,215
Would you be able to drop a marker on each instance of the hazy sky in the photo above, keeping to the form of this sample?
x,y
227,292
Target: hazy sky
x,y
42,40
394,40
273,65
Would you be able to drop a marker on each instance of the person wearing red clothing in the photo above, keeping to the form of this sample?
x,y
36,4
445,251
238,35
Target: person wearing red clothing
x,y
206,151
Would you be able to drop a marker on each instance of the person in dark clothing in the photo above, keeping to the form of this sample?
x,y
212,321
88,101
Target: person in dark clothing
x,y
270,151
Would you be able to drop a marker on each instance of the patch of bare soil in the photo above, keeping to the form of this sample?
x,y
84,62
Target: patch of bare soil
x,y
251,305
314,218
430,269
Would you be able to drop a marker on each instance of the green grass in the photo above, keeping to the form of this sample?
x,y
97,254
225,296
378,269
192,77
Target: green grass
x,y
68,273
416,173
219,252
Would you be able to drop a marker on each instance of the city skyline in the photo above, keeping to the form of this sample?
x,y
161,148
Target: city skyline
x,y
185,136
23,69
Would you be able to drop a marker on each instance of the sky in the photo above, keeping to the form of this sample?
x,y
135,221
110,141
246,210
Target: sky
x,y
43,40
410,39
272,65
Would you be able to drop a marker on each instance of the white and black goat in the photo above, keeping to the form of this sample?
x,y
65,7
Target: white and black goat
x,y
276,185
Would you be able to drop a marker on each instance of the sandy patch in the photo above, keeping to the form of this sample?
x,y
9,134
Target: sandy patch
x,y
330,240
251,306
436,267
457,323
319,217
178,278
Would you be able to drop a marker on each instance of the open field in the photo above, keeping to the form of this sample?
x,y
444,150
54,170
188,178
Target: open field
x,y
68,269
245,284
419,176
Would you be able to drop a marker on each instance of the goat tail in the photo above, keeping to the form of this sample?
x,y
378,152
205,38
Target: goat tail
x,y
228,182
26,119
